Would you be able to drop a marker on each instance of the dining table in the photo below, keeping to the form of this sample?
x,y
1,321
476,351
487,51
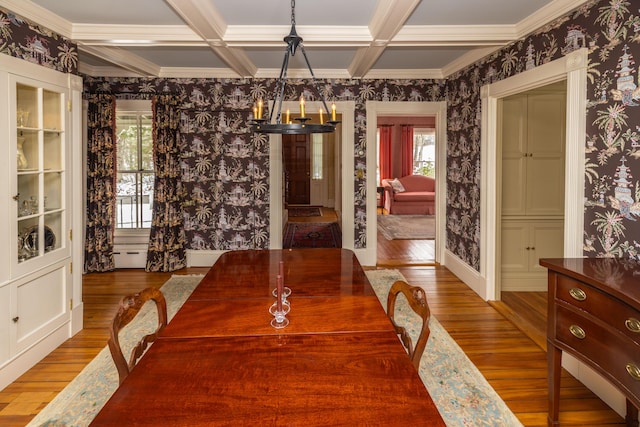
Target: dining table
x,y
221,362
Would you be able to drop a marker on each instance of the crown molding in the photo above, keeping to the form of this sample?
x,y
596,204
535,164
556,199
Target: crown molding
x,y
546,14
36,13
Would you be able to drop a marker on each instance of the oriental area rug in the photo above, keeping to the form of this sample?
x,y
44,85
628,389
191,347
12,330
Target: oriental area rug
x,y
312,235
463,396
407,227
303,211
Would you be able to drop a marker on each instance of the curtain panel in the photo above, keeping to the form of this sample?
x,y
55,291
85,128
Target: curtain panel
x,y
407,150
166,251
385,152
101,183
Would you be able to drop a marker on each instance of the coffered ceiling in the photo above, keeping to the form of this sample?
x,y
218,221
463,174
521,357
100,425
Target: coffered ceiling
x,y
244,38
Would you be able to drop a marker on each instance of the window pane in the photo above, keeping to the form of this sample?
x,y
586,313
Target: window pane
x,y
126,200
147,199
424,152
134,186
127,140
146,141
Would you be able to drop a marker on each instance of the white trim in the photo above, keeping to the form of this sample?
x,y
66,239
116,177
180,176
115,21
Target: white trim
x,y
464,272
437,109
573,67
346,110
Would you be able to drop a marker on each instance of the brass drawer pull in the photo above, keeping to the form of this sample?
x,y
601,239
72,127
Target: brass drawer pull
x,y
577,294
632,324
633,370
577,332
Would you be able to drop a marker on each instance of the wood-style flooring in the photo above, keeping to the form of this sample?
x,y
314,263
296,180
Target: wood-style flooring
x,y
513,363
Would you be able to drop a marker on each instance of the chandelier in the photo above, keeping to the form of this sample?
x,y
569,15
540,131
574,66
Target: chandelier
x,y
288,124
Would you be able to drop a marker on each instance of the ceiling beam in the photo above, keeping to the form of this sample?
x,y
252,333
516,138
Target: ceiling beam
x,y
387,20
205,20
123,59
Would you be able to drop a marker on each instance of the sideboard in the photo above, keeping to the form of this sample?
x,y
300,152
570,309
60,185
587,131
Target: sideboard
x,y
594,315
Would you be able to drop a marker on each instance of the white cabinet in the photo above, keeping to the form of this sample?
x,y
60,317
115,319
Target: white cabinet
x,y
532,135
533,141
524,242
40,123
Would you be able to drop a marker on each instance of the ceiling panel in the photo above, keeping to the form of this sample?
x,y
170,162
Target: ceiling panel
x,y
127,12
395,58
307,12
179,56
479,12
334,58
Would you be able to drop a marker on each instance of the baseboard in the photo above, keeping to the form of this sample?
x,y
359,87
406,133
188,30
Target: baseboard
x,y
24,361
464,272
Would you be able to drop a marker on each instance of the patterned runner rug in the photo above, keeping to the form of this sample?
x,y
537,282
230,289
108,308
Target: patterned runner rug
x,y
407,227
460,391
312,235
462,395
304,211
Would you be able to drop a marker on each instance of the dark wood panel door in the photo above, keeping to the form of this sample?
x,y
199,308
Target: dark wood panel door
x,y
297,169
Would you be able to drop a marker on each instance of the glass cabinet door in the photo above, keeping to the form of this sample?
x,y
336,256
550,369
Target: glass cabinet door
x,y
40,169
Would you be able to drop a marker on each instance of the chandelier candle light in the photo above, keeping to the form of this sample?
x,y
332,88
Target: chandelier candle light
x,y
261,125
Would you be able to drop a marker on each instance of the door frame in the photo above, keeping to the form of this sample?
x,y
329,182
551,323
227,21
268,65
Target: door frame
x,y
573,68
344,188
402,108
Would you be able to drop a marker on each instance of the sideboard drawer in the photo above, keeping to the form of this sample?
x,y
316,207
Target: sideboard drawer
x,y
608,309
608,351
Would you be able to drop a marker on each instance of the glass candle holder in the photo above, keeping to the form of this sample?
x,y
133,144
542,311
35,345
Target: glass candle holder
x,y
279,320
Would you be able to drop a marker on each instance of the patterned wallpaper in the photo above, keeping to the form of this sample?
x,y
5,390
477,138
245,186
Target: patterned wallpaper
x,y
34,43
610,29
225,167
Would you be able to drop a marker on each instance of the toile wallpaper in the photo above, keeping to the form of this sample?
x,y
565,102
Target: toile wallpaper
x,y
225,168
610,29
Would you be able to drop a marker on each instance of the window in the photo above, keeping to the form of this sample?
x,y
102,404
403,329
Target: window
x,y
424,151
135,172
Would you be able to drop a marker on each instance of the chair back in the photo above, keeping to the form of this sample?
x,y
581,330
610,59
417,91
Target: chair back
x,y
417,300
128,309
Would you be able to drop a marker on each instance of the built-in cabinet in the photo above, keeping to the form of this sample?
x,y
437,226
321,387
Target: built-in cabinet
x,y
39,122
532,136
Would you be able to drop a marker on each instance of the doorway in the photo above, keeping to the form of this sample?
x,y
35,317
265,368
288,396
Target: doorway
x,y
393,133
437,110
531,146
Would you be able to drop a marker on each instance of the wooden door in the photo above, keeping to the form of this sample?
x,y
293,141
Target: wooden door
x,y
297,169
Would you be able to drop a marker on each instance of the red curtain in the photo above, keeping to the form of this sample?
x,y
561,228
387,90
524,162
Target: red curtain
x,y
407,150
385,152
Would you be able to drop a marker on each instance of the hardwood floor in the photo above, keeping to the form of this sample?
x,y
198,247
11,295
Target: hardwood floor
x,y
393,253
512,362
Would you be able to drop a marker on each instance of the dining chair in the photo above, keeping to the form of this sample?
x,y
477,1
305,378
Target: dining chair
x,y
417,300
128,309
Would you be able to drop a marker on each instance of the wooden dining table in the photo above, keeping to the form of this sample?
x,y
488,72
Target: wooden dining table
x,y
220,362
